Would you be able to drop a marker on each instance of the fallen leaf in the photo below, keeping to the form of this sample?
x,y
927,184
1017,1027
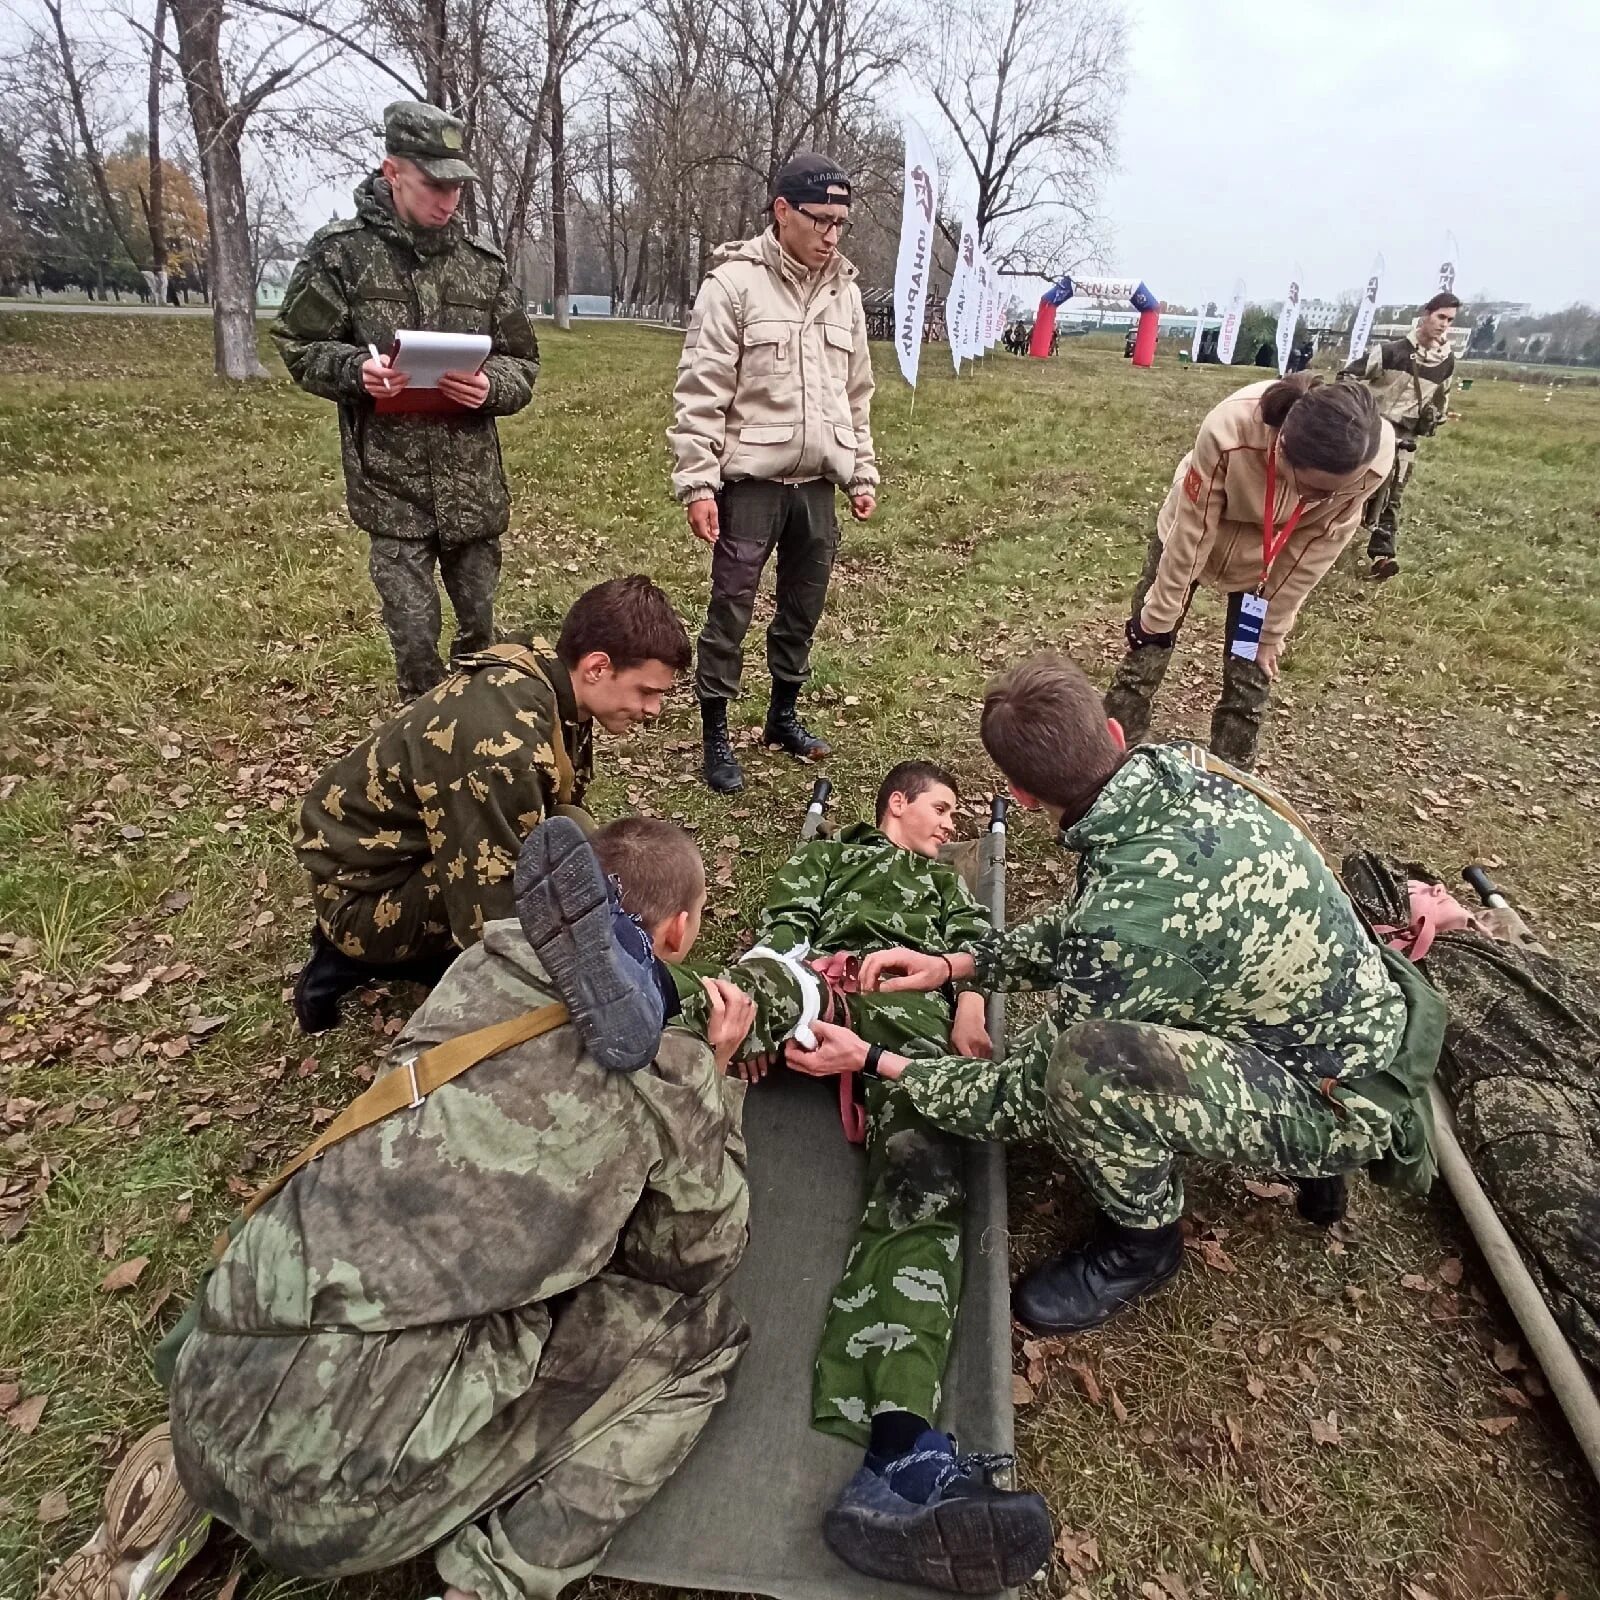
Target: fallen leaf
x,y
1268,1191
199,1027
201,1119
53,1508
230,1585
1021,1390
1507,1357
25,1417
1213,1255
1326,1431
1256,1388
1080,1551
1173,1586
1515,1397
1496,1425
1415,1282
1091,1384
10,1393
1415,1591
124,1276
176,901
1236,1435
1118,1410
1258,1562
1451,1270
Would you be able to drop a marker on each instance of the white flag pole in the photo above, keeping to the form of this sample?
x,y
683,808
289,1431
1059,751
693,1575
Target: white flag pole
x,y
913,274
1229,336
1361,329
1287,318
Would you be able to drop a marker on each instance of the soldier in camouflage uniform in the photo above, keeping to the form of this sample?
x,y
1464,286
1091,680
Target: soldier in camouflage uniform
x,y
491,1325
1214,995
1411,378
427,486
411,838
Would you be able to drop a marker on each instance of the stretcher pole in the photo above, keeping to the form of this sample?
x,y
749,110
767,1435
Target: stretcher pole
x,y
992,891
821,792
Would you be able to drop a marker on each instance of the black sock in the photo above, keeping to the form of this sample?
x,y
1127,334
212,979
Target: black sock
x,y
895,1432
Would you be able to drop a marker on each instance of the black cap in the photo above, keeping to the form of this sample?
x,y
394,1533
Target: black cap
x,y
807,178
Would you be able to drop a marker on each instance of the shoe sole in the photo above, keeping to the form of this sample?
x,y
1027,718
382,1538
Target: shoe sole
x,y
565,914
1036,1325
974,1546
810,760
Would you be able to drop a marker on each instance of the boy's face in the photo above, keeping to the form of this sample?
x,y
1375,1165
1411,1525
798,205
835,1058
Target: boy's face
x,y
620,698
922,824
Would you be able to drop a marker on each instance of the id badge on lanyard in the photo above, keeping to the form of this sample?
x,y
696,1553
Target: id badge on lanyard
x,y
1246,640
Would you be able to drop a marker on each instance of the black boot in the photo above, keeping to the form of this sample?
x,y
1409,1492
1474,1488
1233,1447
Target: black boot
x,y
326,978
785,729
1086,1287
1322,1201
721,765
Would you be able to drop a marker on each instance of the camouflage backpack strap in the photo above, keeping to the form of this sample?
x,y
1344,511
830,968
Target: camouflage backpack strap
x,y
406,1087
521,657
1269,797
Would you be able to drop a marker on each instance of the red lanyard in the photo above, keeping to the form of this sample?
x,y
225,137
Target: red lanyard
x,y
1274,539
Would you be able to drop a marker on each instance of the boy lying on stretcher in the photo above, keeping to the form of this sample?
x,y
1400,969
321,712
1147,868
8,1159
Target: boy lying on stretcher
x,y
916,1512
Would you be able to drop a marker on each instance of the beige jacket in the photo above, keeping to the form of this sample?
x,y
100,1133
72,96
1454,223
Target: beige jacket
x,y
775,379
1210,526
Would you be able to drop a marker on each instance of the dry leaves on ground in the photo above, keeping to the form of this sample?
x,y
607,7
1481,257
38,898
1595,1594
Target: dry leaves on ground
x,y
124,1276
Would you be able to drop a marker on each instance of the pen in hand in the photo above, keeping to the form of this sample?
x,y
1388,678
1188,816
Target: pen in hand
x,y
372,350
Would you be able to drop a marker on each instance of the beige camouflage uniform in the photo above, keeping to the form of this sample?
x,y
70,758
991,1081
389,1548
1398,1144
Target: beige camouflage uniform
x,y
412,838
491,1326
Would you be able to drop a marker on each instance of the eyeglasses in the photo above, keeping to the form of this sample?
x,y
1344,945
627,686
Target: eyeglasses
x,y
824,225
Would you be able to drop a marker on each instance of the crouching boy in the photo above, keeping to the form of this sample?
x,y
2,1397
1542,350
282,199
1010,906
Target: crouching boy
x,y
490,1324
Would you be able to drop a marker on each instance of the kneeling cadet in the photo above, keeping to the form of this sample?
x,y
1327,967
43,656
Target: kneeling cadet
x,y
487,1321
1215,995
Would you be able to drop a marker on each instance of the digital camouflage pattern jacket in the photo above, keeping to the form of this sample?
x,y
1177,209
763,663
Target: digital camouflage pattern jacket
x,y
1197,907
391,1300
460,777
360,281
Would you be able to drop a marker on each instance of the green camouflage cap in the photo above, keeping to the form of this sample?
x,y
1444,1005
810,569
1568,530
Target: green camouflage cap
x,y
416,131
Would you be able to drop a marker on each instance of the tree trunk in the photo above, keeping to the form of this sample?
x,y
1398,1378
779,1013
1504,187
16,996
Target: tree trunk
x,y
560,266
217,128
154,214
615,274
435,50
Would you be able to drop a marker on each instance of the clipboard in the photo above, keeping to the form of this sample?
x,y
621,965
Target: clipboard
x,y
426,356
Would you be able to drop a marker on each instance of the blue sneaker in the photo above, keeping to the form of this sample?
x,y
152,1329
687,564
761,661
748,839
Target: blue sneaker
x,y
598,958
936,1518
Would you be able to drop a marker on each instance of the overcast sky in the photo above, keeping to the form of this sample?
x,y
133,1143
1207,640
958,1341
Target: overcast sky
x,y
1258,134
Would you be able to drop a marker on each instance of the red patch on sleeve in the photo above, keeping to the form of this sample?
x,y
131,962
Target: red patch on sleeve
x,y
1191,484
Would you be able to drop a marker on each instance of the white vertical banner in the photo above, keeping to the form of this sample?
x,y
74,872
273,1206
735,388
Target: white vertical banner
x,y
1447,267
1199,331
1361,328
1231,318
963,286
913,273
980,308
1287,318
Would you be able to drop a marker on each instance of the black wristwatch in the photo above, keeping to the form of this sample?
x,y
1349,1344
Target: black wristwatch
x,y
869,1067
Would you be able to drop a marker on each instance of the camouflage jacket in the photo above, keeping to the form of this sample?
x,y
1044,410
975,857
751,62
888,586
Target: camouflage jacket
x,y
400,1284
857,891
1412,385
1197,907
360,281
461,777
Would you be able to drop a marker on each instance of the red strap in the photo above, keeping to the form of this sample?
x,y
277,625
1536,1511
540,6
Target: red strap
x,y
1274,539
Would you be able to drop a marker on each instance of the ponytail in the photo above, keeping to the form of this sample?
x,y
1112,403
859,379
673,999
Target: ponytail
x,y
1333,428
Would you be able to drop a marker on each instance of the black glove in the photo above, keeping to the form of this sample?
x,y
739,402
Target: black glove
x,y
1137,638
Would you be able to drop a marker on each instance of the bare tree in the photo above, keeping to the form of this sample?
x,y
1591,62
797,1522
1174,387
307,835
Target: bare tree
x,y
1030,91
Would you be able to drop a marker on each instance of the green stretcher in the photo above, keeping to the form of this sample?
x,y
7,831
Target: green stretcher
x,y
744,1513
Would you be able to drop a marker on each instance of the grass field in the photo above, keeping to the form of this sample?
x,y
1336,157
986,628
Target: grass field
x,y
187,633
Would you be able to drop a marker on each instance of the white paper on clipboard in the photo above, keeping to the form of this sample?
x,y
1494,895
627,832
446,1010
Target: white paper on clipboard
x,y
426,356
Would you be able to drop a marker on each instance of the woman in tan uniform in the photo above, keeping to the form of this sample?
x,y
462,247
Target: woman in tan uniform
x,y
1258,511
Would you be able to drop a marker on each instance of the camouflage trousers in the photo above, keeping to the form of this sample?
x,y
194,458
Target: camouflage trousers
x,y
1123,1100
388,927
515,1505
1380,516
1241,708
886,1339
403,574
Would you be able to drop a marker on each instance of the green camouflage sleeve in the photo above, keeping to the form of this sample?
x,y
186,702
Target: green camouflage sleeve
x,y
689,1227
963,923
986,1099
312,332
513,366
792,914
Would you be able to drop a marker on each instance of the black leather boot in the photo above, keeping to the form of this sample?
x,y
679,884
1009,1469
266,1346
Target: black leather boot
x,y
720,764
1322,1201
785,729
1086,1287
326,978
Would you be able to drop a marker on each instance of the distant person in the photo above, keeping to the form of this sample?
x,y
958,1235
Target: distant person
x,y
1266,354
774,403
1258,511
427,486
1412,378
1303,354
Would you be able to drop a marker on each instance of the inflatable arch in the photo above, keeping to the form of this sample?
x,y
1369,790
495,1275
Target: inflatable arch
x,y
1063,289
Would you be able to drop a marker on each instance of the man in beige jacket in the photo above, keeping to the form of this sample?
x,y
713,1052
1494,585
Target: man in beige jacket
x,y
773,403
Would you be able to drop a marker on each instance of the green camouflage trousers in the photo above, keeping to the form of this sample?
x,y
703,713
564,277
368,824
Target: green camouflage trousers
x,y
886,1338
402,573
1380,516
1123,1099
1246,689
521,1502
405,923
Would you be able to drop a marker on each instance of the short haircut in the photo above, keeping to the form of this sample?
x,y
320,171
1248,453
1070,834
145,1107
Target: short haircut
x,y
629,619
1328,427
1440,301
913,778
1044,725
657,864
